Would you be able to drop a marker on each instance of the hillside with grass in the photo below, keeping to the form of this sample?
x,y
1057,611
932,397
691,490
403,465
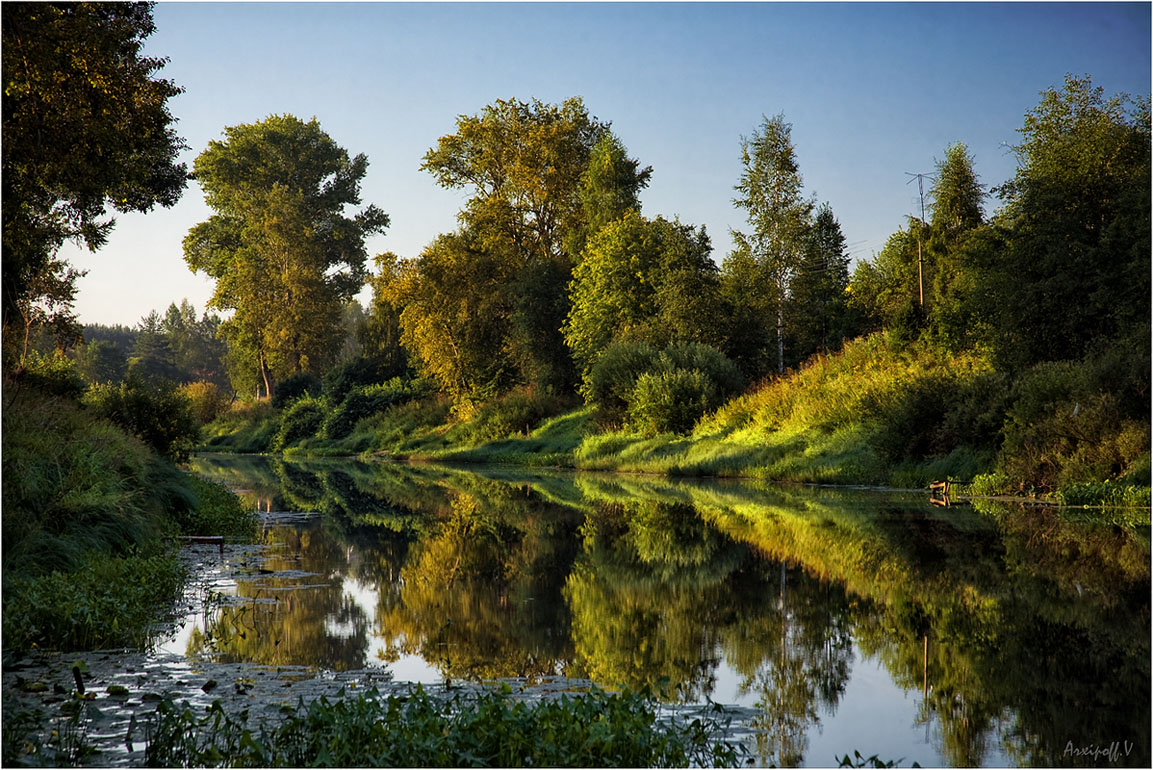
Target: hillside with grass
x,y
879,412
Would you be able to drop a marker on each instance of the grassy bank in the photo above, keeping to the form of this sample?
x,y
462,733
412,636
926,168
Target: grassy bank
x,y
875,413
90,512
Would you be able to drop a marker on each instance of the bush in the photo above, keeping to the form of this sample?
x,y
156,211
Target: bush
x,y
358,372
301,420
216,510
614,375
364,402
294,387
52,375
612,383
158,413
1063,427
206,399
671,401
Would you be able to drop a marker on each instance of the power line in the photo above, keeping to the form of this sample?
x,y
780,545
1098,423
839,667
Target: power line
x,y
920,262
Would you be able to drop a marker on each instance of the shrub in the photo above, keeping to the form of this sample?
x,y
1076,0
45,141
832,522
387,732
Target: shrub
x,y
52,375
247,426
216,510
614,375
158,413
294,387
357,372
612,383
206,399
364,402
301,420
671,400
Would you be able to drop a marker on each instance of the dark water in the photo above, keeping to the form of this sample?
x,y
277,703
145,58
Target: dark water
x,y
849,620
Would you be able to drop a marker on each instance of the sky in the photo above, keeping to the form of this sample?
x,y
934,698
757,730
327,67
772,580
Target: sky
x,y
873,92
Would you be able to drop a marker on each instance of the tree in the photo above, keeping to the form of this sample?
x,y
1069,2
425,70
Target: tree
x,y
642,280
770,192
1075,270
453,313
86,126
818,311
609,188
524,163
958,211
285,256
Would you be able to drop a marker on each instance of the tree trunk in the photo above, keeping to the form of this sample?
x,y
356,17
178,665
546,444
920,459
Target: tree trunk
x,y
265,375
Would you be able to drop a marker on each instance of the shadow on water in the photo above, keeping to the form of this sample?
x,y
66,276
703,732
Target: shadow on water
x,y
1005,635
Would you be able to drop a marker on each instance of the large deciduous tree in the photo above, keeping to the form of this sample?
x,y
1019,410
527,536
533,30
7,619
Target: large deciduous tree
x,y
525,165
86,126
285,255
770,192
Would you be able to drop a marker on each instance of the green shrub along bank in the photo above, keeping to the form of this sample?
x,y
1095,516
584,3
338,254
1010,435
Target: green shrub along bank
x,y
882,411
91,507
596,729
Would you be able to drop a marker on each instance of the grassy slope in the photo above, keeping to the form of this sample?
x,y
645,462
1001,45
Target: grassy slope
x,y
870,414
87,510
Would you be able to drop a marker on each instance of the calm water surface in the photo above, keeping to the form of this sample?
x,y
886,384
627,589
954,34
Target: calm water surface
x,y
848,620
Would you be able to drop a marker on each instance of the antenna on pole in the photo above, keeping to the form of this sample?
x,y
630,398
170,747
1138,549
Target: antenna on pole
x,y
920,262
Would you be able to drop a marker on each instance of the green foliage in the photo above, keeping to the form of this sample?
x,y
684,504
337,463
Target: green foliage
x,y
769,191
365,402
107,602
302,419
216,510
86,127
356,372
284,255
1106,493
296,386
642,280
247,427
610,186
1076,264
817,313
86,508
490,730
612,378
53,375
671,400
158,413
515,413
698,378
206,400
1066,424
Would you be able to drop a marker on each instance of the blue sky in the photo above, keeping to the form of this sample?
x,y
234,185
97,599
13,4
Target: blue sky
x,y
872,91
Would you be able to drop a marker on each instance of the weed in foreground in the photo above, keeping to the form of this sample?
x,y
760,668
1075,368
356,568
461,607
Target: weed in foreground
x,y
492,730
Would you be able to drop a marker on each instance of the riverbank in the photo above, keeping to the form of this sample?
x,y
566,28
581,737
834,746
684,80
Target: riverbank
x,y
875,413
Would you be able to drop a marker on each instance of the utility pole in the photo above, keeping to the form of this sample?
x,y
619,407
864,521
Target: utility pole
x,y
920,262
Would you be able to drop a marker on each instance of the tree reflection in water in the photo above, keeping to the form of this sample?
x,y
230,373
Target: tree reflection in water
x,y
1016,630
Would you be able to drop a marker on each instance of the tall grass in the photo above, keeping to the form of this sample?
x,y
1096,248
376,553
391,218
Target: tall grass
x,y
87,516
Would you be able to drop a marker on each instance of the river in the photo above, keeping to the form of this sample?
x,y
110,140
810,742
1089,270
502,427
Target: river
x,y
832,620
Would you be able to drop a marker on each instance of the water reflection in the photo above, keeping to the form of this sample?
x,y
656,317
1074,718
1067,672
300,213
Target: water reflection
x,y
1015,632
